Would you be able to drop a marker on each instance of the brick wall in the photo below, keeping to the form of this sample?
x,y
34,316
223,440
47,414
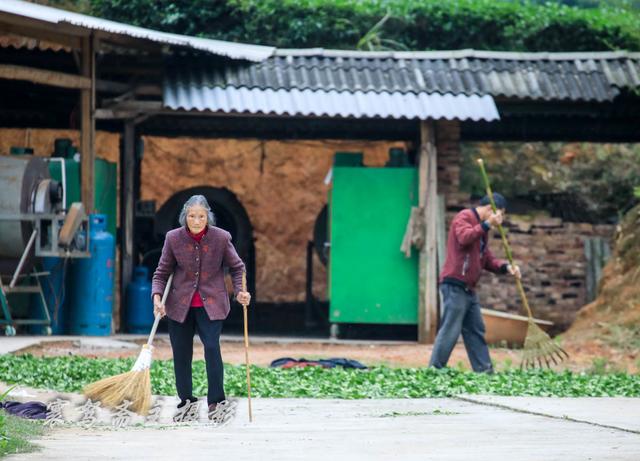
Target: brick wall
x,y
449,162
551,255
549,251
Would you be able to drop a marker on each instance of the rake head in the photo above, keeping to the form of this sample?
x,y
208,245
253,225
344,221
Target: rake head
x,y
540,350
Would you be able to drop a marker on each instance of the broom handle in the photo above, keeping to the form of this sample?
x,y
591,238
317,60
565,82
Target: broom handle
x,y
505,243
157,320
246,346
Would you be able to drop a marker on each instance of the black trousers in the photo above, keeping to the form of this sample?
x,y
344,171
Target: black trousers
x,y
181,336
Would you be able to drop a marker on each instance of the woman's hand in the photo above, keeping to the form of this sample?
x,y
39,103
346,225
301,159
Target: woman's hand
x,y
244,298
158,307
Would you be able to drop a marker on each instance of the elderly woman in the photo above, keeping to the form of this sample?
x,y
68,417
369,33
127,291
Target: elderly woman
x,y
197,253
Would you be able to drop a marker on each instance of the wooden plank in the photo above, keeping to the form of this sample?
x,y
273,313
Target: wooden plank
x,y
128,162
428,270
442,243
87,127
44,77
49,31
110,114
423,332
44,35
431,212
133,105
442,232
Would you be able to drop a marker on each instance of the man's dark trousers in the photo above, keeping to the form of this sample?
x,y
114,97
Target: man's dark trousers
x,y
461,315
181,335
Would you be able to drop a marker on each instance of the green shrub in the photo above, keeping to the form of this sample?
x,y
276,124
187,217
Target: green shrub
x,y
71,374
413,24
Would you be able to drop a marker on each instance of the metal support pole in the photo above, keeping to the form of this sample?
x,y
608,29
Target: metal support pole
x,y
23,258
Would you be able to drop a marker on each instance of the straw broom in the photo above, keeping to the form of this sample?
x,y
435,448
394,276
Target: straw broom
x,y
134,385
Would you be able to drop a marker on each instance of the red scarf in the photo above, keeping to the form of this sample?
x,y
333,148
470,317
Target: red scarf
x,y
196,301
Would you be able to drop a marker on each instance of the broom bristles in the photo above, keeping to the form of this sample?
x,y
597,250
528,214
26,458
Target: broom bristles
x,y
134,385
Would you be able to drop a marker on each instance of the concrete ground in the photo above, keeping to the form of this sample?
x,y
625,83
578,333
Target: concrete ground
x,y
466,428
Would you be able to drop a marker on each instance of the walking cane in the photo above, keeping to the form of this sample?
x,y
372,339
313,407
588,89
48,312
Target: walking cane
x,y
246,345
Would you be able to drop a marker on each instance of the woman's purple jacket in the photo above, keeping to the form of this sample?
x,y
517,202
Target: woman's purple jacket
x,y
197,266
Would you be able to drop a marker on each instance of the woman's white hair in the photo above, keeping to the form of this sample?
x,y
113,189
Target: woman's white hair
x,y
196,200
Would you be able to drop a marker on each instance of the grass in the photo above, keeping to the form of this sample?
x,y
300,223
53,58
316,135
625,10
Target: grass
x,y
623,337
71,374
16,432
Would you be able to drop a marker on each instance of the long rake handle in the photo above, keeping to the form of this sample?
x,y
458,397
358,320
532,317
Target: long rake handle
x,y
158,317
505,243
246,346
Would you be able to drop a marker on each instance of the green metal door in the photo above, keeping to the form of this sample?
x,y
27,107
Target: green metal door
x,y
370,279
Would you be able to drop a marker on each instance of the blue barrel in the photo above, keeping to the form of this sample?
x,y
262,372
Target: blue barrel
x,y
91,283
139,306
54,294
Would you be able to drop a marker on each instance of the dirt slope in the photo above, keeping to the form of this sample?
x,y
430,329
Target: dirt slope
x,y
613,319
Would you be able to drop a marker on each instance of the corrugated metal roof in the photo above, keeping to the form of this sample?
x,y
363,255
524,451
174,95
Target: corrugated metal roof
x,y
459,54
396,85
57,16
536,76
344,104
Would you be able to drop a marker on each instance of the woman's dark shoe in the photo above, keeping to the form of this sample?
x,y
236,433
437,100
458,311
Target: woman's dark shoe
x,y
185,413
222,412
184,402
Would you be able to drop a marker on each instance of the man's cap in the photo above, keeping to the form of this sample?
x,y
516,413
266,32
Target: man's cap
x,y
499,200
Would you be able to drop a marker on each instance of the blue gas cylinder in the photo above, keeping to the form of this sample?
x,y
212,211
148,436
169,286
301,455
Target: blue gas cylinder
x,y
91,283
139,312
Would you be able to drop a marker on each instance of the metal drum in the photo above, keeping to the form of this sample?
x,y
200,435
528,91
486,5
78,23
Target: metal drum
x,y
24,188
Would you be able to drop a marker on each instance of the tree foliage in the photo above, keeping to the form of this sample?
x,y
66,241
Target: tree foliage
x,y
602,176
411,24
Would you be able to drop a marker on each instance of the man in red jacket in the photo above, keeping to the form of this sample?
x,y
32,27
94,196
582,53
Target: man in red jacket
x,y
467,254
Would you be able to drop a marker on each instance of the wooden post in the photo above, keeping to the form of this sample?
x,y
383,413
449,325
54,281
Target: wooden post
x,y
88,126
128,165
428,200
441,232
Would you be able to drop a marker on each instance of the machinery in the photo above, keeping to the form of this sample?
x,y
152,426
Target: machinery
x,y
33,225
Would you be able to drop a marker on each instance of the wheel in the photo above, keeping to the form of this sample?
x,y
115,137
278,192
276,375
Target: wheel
x,y
9,330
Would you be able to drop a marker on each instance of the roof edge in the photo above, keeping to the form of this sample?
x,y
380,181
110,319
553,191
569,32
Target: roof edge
x,y
50,15
457,54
